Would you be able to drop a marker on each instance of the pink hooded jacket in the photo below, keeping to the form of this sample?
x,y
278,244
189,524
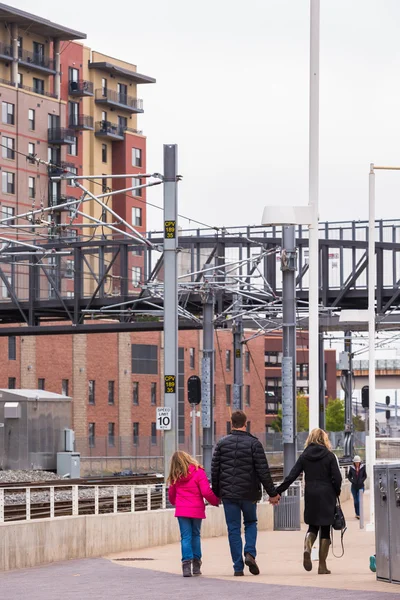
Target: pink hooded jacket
x,y
188,492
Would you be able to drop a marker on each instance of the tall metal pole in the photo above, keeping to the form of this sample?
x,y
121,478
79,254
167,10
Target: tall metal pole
x,y
208,379
238,356
395,410
313,203
288,266
194,441
322,419
371,334
170,299
348,400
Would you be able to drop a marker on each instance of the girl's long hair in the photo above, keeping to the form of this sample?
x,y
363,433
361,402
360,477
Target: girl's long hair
x,y
180,463
318,436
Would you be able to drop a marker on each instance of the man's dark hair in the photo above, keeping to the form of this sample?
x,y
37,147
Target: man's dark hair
x,y
238,419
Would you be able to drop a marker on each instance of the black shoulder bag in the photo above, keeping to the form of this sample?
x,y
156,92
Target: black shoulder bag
x,y
339,524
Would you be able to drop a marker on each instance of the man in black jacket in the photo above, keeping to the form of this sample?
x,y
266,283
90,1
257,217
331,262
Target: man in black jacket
x,y
239,468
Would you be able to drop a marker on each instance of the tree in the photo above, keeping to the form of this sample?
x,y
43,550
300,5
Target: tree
x,y
302,416
358,423
335,415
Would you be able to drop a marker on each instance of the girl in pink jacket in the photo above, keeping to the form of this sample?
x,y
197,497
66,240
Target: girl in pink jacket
x,y
188,487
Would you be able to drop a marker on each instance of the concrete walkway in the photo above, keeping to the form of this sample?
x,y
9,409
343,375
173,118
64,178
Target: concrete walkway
x,y
279,558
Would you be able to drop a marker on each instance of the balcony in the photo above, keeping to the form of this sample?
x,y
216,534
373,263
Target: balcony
x,y
37,62
111,131
57,200
81,122
80,88
5,52
61,136
36,90
116,100
59,169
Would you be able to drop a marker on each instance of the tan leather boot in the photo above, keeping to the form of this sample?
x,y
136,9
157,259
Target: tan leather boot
x,y
308,546
323,554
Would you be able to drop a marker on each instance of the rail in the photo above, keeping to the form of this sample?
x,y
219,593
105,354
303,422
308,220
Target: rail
x,y
49,502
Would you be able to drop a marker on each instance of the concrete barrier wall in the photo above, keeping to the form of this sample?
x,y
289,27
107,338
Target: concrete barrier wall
x,y
32,543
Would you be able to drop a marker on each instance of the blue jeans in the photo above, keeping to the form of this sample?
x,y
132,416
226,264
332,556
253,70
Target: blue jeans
x,y
190,538
356,497
233,516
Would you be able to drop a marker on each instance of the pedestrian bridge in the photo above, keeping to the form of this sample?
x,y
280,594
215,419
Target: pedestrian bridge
x,y
387,374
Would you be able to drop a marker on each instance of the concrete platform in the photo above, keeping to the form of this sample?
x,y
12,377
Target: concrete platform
x,y
279,558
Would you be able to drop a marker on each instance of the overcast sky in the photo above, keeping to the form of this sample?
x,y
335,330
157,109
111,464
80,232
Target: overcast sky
x,y
232,92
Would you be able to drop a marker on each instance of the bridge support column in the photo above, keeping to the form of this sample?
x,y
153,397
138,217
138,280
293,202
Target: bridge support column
x,y
348,400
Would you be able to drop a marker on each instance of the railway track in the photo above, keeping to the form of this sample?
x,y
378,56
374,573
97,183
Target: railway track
x,y
84,482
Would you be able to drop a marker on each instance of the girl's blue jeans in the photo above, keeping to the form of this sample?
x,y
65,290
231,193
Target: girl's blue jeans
x,y
190,538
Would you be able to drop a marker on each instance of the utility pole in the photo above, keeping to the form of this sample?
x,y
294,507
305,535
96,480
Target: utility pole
x,y
322,420
288,267
238,355
207,387
170,300
348,399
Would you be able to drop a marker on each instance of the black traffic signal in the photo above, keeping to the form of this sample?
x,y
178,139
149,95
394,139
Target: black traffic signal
x,y
365,396
388,415
387,400
194,389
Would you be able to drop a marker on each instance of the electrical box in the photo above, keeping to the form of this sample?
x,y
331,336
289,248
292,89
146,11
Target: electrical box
x,y
344,361
69,464
69,440
12,410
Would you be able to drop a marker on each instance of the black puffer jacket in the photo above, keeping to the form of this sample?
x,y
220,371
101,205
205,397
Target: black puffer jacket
x,y
239,467
323,484
357,478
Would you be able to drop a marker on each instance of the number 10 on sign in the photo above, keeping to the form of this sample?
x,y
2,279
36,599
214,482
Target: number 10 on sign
x,y
163,418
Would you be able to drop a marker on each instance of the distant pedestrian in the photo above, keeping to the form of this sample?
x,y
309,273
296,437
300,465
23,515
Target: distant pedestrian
x,y
357,475
239,468
322,488
188,486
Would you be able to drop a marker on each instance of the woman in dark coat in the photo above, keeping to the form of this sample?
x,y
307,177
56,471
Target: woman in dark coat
x,y
322,487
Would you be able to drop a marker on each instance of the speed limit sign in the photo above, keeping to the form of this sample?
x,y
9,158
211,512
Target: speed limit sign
x,y
164,418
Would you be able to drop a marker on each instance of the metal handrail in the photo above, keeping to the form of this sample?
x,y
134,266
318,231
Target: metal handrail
x,y
119,98
37,59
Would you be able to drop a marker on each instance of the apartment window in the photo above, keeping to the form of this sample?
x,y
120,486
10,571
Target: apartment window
x,y
41,383
8,113
32,152
122,123
8,182
228,427
69,268
136,276
153,393
8,212
154,434
12,347
38,85
136,434
111,386
12,383
65,387
31,119
273,359
38,51
104,153
73,147
228,360
104,89
247,399
135,182
31,187
111,434
136,157
228,392
192,357
247,361
122,89
136,216
20,80
135,395
248,427
20,45
72,171
73,75
8,147
144,359
92,391
137,251
92,435
73,113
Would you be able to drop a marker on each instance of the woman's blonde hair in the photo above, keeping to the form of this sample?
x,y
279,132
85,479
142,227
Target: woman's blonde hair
x,y
318,436
180,463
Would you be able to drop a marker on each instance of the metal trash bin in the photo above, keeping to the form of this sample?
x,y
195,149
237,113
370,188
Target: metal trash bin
x,y
387,522
287,513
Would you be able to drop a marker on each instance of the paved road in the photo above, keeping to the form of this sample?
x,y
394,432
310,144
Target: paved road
x,y
100,579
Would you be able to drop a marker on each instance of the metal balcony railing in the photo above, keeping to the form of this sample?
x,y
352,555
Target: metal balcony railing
x,y
119,99
81,122
37,60
61,135
36,90
80,88
6,50
108,129
60,168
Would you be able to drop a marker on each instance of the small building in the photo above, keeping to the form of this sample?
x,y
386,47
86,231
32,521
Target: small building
x,y
32,424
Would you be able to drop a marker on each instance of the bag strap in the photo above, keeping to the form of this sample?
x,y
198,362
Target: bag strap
x,y
341,540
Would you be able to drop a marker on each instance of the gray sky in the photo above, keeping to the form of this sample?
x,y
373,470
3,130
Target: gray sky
x,y
232,91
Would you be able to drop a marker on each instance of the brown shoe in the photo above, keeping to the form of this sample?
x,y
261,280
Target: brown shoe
x,y
196,566
308,546
323,554
250,562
